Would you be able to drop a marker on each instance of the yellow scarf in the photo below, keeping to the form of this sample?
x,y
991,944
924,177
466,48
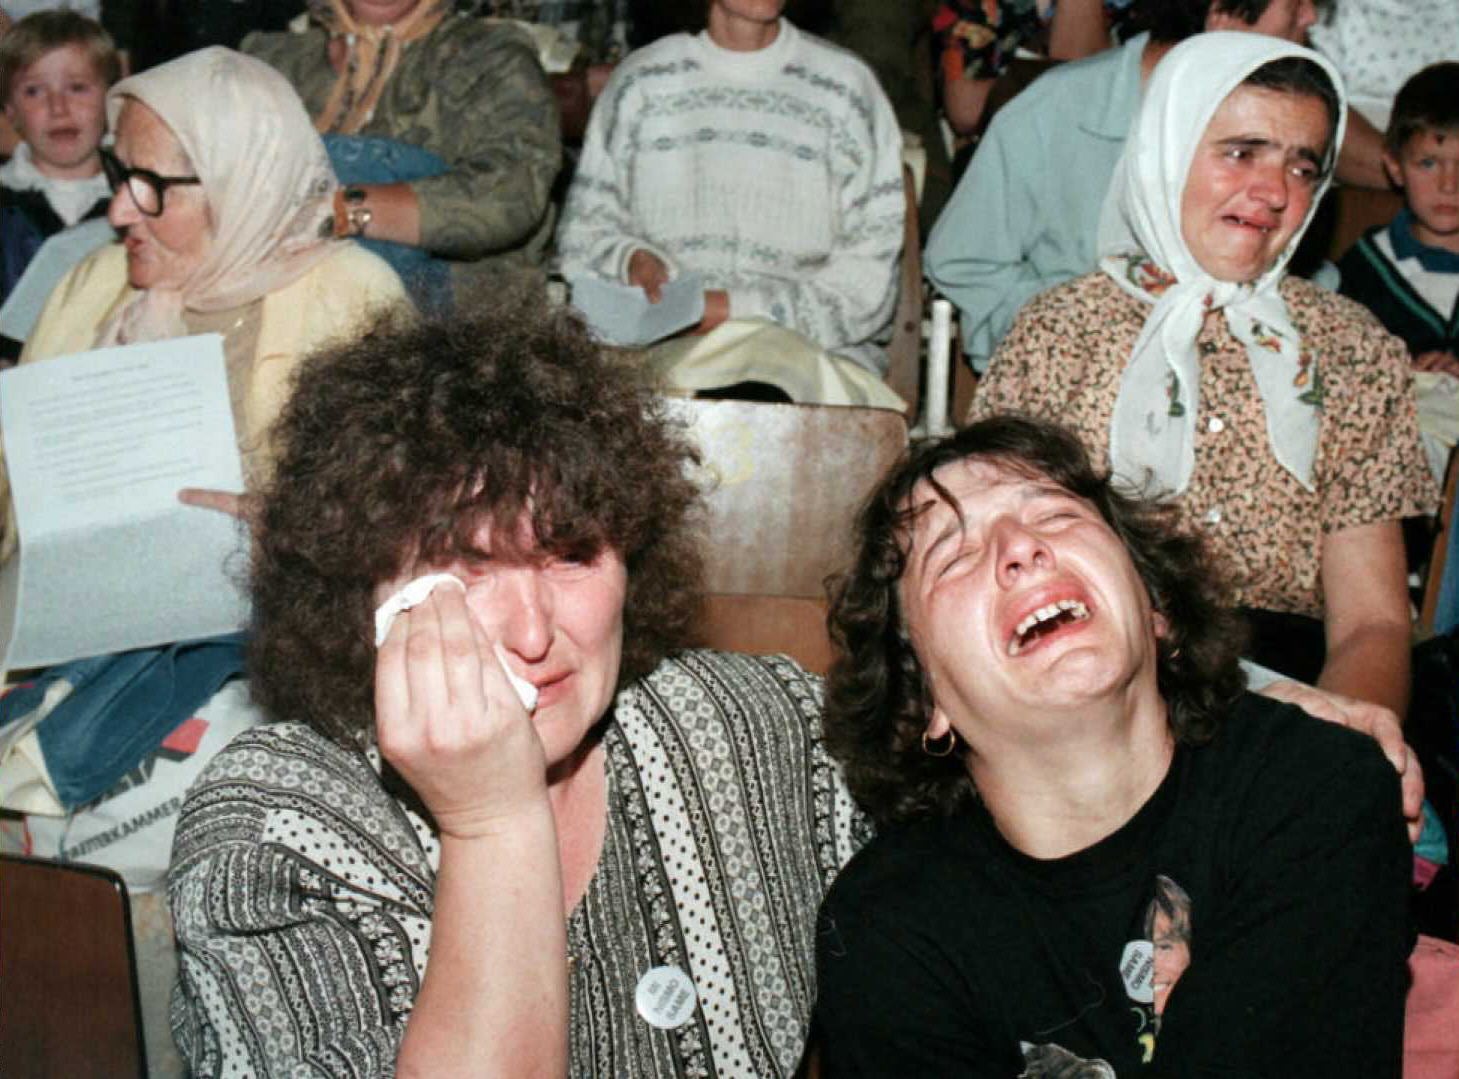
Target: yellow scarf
x,y
373,53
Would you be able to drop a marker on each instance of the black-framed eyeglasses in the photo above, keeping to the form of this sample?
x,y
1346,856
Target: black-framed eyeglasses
x,y
144,186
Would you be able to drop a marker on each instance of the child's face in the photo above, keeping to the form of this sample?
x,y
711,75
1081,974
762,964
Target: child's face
x,y
1428,172
56,104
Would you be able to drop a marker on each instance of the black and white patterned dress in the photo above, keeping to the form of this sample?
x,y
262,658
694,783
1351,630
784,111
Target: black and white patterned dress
x,y
302,890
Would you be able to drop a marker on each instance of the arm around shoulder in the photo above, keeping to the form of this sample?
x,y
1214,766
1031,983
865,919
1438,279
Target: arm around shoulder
x,y
1366,618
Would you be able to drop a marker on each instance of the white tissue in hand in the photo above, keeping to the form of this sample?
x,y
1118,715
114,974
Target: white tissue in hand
x,y
413,595
526,691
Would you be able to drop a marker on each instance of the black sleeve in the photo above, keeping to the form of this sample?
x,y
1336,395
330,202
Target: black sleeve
x,y
890,1003
1302,969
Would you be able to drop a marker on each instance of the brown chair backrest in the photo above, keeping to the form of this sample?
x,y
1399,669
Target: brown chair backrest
x,y
783,483
783,486
68,985
1357,210
767,625
904,352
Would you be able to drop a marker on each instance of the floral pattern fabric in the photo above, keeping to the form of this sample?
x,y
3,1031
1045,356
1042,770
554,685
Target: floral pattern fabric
x,y
1063,360
976,39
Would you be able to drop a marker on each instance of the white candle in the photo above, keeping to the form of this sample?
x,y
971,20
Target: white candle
x,y
939,353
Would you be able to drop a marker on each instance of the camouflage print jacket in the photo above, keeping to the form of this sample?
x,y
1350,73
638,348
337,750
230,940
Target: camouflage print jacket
x,y
473,93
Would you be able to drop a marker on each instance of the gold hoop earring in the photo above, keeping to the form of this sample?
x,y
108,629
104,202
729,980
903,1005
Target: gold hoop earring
x,y
943,748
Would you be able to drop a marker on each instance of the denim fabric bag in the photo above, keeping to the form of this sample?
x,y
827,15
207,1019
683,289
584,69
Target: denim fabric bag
x,y
367,159
119,709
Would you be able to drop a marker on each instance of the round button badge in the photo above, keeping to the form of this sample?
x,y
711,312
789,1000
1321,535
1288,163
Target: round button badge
x,y
665,997
1137,971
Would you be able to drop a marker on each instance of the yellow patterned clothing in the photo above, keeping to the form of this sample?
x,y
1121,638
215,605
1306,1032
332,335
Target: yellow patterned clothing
x,y
1068,348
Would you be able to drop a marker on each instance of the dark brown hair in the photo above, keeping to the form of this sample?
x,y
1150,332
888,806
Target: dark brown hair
x,y
1304,78
45,31
877,700
397,447
1170,21
1428,101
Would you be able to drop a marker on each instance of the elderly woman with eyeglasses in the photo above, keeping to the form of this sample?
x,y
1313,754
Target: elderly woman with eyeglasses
x,y
225,208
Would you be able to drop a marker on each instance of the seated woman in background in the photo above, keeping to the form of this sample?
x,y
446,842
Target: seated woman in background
x,y
224,196
1278,417
770,163
411,871
444,133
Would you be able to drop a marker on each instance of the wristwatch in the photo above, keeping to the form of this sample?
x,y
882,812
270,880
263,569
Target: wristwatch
x,y
351,215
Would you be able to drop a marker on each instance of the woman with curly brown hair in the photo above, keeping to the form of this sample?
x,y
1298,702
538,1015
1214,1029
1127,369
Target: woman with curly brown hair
x,y
1039,699
615,873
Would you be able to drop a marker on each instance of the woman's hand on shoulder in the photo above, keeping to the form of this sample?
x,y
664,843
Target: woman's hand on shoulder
x,y
1377,722
449,722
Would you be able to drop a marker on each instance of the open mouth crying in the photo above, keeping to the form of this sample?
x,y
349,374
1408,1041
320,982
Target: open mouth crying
x,y
1044,621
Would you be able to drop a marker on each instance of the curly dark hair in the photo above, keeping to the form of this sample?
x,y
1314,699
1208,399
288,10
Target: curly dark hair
x,y
397,447
877,699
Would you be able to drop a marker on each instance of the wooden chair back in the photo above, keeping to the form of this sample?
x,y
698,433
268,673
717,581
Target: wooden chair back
x,y
1357,210
766,626
69,1005
904,352
783,485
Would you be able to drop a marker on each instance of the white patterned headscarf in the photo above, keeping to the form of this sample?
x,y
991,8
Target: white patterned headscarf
x,y
1152,432
264,171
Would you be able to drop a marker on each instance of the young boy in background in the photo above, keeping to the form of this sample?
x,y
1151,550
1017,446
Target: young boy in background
x,y
1407,272
55,68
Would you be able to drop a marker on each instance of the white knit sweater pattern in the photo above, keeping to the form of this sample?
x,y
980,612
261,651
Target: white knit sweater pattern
x,y
776,174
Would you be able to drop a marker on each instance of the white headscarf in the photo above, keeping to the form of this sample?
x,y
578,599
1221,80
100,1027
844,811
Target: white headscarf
x,y
1152,431
268,182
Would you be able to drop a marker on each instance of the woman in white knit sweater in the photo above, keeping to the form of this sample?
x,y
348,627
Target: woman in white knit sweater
x,y
762,158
